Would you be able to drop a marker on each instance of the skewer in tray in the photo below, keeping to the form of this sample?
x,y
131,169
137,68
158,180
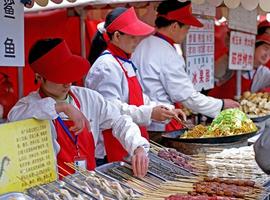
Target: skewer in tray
x,y
166,169
123,172
100,186
58,190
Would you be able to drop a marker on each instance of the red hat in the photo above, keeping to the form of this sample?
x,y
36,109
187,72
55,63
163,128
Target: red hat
x,y
129,23
60,66
263,38
183,15
264,23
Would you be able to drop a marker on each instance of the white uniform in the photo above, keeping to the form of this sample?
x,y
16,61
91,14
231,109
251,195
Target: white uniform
x,y
163,78
101,114
107,77
261,79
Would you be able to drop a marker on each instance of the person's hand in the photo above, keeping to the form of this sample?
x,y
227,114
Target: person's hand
x,y
179,112
229,103
140,162
162,113
75,115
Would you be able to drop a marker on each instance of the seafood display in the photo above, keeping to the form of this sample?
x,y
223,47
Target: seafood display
x,y
229,122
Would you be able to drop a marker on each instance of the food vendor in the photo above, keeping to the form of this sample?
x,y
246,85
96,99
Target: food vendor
x,y
114,76
162,70
254,80
76,114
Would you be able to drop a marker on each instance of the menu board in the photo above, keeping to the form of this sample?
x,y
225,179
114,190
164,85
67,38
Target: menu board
x,y
26,155
199,52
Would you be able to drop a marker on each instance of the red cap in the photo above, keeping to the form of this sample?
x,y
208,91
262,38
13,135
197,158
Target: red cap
x,y
60,66
263,38
129,23
184,16
264,23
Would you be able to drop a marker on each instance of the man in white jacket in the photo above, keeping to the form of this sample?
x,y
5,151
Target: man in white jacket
x,y
162,70
72,110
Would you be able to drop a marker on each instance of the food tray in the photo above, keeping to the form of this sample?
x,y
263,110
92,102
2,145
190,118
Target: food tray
x,y
54,187
150,181
15,196
175,136
80,179
167,169
259,119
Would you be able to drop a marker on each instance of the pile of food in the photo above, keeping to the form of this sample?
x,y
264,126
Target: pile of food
x,y
223,187
199,197
176,157
228,122
255,104
235,163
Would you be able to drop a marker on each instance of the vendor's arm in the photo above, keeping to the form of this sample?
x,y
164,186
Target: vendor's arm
x,y
32,106
127,133
180,89
47,108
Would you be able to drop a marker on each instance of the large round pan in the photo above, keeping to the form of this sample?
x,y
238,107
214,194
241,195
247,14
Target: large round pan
x,y
259,119
175,136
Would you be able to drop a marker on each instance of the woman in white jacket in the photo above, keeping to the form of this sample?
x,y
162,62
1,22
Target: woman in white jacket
x,y
114,75
72,110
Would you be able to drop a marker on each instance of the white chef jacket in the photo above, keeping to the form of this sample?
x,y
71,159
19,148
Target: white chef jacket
x,y
107,77
163,78
100,113
261,78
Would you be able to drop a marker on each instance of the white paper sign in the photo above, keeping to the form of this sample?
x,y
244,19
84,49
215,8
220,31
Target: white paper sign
x,y
205,9
243,20
199,51
242,47
12,33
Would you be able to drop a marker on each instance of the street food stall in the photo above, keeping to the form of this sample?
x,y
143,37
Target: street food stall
x,y
28,169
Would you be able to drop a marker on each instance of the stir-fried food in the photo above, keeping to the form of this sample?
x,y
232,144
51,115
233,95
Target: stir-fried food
x,y
228,122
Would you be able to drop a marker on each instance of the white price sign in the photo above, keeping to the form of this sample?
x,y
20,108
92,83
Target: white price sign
x,y
242,47
199,51
12,33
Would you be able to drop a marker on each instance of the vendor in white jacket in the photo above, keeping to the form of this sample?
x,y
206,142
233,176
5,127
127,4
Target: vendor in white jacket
x,y
77,114
114,76
162,70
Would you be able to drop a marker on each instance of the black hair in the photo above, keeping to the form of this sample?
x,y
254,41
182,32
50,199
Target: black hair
x,y
168,6
257,44
262,30
98,44
41,47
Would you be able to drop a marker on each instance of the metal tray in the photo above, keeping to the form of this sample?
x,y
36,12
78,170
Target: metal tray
x,y
144,183
15,196
259,119
52,188
175,136
106,195
171,168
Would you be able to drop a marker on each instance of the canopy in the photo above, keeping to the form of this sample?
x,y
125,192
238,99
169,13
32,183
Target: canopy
x,y
52,4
